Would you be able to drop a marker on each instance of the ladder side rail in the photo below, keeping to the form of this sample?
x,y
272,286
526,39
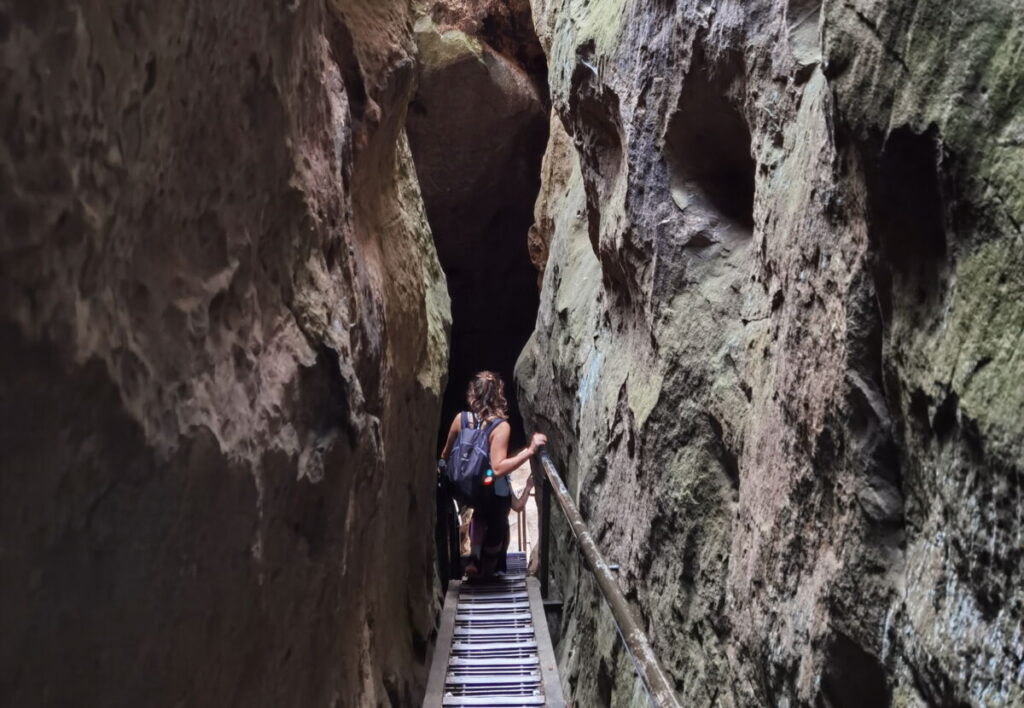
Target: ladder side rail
x,y
442,648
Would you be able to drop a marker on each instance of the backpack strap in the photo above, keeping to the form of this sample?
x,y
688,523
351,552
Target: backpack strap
x,y
464,422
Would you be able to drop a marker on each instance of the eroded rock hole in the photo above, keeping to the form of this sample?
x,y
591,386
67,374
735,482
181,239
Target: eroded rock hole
x,y
598,140
605,684
854,677
477,128
707,146
907,212
595,127
343,52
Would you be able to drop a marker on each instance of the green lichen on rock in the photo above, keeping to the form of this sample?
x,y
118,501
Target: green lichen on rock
x,y
796,430
953,67
979,354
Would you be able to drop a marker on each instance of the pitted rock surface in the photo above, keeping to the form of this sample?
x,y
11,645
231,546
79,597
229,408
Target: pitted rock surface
x,y
224,341
777,352
778,345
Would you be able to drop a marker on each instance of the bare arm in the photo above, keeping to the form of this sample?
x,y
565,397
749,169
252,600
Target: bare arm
x,y
453,432
519,503
501,463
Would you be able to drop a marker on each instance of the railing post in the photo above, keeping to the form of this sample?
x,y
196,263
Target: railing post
x,y
544,522
454,542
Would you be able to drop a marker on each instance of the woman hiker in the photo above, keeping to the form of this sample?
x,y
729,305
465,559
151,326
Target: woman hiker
x,y
489,532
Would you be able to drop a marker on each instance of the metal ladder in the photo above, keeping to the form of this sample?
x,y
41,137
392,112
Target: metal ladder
x,y
493,647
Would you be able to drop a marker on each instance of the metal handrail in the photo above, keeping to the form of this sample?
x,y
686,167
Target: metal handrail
x,y
657,685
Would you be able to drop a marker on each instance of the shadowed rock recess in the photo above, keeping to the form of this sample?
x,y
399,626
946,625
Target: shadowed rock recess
x,y
778,349
224,337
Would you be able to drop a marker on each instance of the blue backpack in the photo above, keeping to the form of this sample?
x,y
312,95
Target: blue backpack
x,y
469,459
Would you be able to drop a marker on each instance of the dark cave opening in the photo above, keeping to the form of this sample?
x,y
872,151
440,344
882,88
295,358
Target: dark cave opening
x,y
907,211
853,677
707,144
478,127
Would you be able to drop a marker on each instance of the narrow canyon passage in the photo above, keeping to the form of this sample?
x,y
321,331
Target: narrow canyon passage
x,y
756,269
477,128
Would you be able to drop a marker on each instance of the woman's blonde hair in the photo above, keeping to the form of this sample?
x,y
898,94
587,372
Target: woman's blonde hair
x,y
486,396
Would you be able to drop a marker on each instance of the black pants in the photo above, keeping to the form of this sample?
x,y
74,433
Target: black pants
x,y
491,514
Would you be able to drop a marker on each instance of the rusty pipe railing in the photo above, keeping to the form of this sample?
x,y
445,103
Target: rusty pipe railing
x,y
657,685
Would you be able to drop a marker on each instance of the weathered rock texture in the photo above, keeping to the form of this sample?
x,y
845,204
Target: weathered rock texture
x,y
477,128
224,339
779,344
506,26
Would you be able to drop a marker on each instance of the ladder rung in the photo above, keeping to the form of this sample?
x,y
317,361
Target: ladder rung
x,y
493,700
493,582
518,605
493,597
531,679
486,661
492,646
483,631
492,617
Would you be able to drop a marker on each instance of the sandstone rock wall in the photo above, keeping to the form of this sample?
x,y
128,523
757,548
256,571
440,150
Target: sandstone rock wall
x,y
224,341
778,347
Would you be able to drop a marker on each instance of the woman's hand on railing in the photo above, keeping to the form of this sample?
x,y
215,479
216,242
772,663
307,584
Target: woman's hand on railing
x,y
536,441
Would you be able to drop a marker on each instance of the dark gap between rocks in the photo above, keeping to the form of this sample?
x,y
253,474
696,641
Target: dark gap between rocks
x,y
477,127
906,212
854,677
